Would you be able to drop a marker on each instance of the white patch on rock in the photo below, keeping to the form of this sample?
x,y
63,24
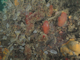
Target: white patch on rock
x,y
48,4
53,51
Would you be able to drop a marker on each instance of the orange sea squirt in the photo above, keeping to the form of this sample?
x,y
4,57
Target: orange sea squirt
x,y
45,27
62,19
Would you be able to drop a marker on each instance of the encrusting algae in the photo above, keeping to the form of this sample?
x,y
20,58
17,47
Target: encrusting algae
x,y
72,47
16,3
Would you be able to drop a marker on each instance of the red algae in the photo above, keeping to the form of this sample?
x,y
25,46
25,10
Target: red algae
x,y
62,19
43,36
45,27
27,18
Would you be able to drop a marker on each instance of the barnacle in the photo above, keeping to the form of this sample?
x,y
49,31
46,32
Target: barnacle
x,y
72,47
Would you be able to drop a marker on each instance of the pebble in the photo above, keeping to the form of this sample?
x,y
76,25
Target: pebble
x,y
29,38
7,34
17,32
5,10
23,36
1,46
53,51
78,23
21,47
4,17
12,40
35,54
21,51
9,43
35,31
22,24
28,7
11,48
20,39
43,1
9,5
33,1
23,44
18,13
48,4
76,18
1,30
45,52
55,41
7,25
4,37
2,49
36,45
15,17
10,58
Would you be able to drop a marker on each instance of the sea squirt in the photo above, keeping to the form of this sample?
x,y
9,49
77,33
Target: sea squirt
x,y
62,19
45,27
